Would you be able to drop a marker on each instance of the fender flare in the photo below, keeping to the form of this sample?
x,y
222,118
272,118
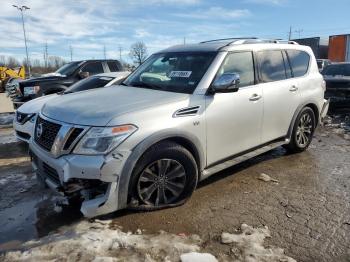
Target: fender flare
x,y
142,147
298,110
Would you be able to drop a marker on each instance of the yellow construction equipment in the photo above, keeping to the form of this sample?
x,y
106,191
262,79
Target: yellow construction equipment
x,y
7,73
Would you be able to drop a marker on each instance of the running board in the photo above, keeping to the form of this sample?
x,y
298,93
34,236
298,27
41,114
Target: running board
x,y
234,161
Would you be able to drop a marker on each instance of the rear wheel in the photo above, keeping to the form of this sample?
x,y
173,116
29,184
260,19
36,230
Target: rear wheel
x,y
165,176
303,131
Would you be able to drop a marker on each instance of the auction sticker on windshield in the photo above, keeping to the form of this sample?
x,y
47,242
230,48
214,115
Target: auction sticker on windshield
x,y
185,74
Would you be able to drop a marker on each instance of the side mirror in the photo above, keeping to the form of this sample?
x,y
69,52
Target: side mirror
x,y
83,75
226,83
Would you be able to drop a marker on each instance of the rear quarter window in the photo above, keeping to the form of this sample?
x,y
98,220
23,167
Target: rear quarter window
x,y
299,61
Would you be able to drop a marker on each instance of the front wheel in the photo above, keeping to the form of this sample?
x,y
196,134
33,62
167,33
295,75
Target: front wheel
x,y
303,131
165,176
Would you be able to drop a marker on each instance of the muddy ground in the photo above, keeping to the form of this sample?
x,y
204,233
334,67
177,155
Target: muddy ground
x,y
307,211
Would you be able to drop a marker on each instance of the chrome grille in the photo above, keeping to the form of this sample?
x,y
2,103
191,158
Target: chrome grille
x,y
73,137
45,133
12,91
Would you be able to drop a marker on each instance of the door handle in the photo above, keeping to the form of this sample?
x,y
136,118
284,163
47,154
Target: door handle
x,y
255,97
293,88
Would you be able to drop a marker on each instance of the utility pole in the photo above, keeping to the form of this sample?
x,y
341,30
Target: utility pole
x,y
46,55
120,54
290,33
104,51
71,53
22,9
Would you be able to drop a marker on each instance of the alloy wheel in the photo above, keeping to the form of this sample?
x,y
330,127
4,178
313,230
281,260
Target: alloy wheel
x,y
161,182
304,130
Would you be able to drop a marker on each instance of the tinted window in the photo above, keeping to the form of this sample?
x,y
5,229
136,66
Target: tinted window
x,y
89,83
173,72
93,68
299,60
337,70
68,69
271,66
113,66
240,63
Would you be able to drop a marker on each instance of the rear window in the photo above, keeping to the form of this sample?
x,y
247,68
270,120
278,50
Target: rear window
x,y
271,66
113,67
299,61
337,70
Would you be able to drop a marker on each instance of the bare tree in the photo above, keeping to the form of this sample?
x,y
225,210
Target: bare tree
x,y
2,60
12,62
138,52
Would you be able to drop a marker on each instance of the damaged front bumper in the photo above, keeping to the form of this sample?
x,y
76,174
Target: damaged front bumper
x,y
95,179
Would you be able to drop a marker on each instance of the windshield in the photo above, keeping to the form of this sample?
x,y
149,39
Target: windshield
x,y
89,83
337,70
173,72
68,69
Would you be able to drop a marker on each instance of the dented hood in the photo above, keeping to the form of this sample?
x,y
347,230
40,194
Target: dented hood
x,y
98,106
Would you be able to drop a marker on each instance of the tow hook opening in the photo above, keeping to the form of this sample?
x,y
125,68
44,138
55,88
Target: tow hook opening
x,y
79,190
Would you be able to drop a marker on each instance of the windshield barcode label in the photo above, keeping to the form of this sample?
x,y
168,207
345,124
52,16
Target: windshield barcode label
x,y
185,74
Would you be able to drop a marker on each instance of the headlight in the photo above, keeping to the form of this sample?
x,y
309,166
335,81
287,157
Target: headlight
x,y
102,140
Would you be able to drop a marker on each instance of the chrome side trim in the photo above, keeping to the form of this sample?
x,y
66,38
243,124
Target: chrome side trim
x,y
187,111
212,170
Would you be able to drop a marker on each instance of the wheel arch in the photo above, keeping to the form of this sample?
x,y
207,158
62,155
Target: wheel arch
x,y
314,108
187,140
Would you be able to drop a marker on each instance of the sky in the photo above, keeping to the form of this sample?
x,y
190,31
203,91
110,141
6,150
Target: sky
x,y
89,26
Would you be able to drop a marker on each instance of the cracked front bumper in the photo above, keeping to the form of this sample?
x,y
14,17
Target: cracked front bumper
x,y
57,173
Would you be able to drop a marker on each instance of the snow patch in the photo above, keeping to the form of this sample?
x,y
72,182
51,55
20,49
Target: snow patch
x,y
248,246
99,242
197,257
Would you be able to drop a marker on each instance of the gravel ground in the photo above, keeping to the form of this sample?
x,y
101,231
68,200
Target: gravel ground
x,y
307,210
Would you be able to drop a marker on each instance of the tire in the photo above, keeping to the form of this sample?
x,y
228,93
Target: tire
x,y
303,131
165,176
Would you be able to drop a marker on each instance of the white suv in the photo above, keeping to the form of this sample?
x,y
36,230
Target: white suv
x,y
188,112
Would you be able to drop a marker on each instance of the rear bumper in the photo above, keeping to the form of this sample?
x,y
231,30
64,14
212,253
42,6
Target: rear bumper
x,y
324,110
59,174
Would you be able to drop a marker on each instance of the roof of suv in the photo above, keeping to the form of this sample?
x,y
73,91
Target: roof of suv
x,y
232,44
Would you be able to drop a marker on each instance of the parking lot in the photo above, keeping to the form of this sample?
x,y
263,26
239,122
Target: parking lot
x,y
306,207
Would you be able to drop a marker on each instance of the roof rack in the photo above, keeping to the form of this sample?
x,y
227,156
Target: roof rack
x,y
250,40
226,39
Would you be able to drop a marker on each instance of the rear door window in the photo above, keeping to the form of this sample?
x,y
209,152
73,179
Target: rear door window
x,y
299,61
93,68
113,66
271,66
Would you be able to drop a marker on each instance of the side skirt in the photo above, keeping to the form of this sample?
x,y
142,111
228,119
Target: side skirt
x,y
211,170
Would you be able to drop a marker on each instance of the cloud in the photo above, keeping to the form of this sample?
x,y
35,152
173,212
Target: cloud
x,y
217,12
268,2
141,33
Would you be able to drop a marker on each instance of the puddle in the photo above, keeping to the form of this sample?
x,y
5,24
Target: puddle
x,y
6,119
7,137
31,220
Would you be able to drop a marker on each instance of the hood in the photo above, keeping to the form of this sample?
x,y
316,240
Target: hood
x,y
35,105
98,106
41,79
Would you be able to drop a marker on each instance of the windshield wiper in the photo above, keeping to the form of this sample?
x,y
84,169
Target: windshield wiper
x,y
123,84
147,85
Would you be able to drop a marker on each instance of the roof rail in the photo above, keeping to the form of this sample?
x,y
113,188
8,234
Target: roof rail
x,y
225,39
